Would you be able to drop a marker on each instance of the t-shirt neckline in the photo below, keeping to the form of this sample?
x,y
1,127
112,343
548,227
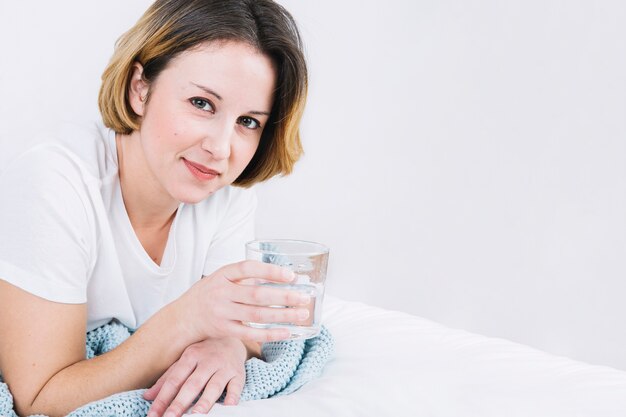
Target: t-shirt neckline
x,y
168,260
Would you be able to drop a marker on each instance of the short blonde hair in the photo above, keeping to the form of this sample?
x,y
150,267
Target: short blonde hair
x,y
170,27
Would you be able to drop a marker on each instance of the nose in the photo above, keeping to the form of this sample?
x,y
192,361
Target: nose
x,y
218,139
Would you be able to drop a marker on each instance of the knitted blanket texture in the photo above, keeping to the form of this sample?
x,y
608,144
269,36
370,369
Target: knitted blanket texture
x,y
287,365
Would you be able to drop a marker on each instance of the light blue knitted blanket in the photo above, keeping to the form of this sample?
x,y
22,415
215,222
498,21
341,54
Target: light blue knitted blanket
x,y
287,365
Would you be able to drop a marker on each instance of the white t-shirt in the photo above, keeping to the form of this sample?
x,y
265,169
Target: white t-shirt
x,y
65,235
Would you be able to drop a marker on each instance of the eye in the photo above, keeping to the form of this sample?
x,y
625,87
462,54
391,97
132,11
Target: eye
x,y
249,122
202,104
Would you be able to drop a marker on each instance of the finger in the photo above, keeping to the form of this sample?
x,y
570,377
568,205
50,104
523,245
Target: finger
x,y
257,314
266,295
255,269
171,385
152,392
244,332
190,390
234,389
212,392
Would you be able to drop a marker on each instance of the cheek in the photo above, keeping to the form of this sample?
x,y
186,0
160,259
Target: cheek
x,y
247,152
165,133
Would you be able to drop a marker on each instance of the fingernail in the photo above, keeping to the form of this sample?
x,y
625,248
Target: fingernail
x,y
152,414
303,314
169,414
305,299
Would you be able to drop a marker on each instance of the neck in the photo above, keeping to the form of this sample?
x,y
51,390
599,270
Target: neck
x,y
147,203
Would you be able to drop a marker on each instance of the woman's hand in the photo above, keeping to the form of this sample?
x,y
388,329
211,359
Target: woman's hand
x,y
218,305
206,367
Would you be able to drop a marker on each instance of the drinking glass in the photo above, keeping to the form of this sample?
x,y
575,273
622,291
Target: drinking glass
x,y
309,261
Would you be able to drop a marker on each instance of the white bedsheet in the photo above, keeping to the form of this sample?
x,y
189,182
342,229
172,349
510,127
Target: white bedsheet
x,y
389,363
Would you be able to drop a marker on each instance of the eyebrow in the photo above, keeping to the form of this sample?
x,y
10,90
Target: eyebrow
x,y
208,91
213,93
259,113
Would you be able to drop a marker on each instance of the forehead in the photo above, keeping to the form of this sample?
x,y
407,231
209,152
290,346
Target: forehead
x,y
233,69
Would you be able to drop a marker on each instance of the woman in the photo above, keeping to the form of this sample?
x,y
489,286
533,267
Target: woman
x,y
121,222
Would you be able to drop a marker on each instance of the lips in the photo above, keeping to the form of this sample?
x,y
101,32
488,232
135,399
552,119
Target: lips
x,y
200,171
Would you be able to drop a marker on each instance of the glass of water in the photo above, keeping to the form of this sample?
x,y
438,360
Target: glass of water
x,y
309,261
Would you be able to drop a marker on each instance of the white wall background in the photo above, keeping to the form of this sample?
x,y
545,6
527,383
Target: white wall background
x,y
465,160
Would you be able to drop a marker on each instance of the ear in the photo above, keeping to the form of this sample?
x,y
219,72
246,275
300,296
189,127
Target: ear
x,y
138,90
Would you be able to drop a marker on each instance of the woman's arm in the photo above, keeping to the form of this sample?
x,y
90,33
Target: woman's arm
x,y
42,348
42,354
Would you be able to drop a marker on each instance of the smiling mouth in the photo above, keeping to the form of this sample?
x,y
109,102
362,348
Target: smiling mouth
x,y
200,171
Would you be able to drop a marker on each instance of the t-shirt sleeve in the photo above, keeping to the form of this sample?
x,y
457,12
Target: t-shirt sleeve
x,y
45,233
235,229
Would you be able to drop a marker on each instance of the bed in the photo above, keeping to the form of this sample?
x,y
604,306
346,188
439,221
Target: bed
x,y
388,363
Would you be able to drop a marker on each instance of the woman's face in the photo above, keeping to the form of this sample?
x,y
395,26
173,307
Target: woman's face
x,y
204,117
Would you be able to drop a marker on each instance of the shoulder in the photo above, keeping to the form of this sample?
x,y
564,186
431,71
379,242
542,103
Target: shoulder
x,y
66,169
76,152
237,196
91,146
46,167
222,210
229,200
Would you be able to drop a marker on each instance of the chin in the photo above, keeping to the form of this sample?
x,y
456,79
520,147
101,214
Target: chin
x,y
191,196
